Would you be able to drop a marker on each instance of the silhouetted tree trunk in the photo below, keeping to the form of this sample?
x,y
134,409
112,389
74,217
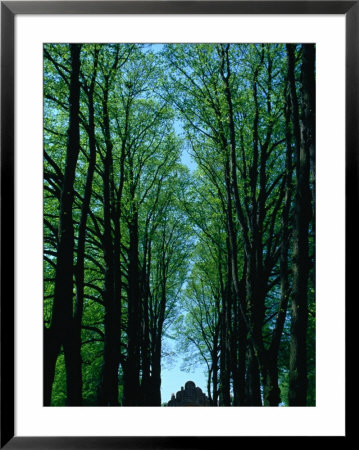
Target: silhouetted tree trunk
x,y
225,369
209,392
240,324
108,388
131,387
156,375
155,380
215,369
156,357
298,353
52,346
271,391
242,344
254,280
145,339
117,217
60,331
253,392
76,376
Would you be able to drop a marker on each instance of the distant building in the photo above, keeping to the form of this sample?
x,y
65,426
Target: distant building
x,y
190,395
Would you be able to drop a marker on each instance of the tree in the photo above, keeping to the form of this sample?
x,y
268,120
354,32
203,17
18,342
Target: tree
x,y
60,332
304,130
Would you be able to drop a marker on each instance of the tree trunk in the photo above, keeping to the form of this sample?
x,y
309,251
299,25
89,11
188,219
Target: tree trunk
x,y
215,372
256,318
241,325
156,376
62,315
145,340
298,352
271,387
108,388
117,216
253,391
209,392
224,337
242,346
80,263
271,391
52,346
131,388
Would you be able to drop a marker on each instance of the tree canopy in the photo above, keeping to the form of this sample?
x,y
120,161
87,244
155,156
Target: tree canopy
x,y
139,247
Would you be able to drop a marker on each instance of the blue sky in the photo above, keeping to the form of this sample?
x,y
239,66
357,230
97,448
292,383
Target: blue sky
x,y
173,378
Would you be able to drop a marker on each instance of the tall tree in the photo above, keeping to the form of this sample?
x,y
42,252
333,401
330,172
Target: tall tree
x,y
303,211
60,331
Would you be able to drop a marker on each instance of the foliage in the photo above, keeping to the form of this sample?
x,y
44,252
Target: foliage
x,y
203,255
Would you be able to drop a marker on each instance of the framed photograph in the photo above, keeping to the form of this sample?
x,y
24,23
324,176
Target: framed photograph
x,y
175,183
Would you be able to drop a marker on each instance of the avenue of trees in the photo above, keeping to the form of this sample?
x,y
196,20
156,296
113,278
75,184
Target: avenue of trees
x,y
139,247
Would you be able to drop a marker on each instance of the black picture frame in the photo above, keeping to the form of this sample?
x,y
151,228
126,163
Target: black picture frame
x,y
9,9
